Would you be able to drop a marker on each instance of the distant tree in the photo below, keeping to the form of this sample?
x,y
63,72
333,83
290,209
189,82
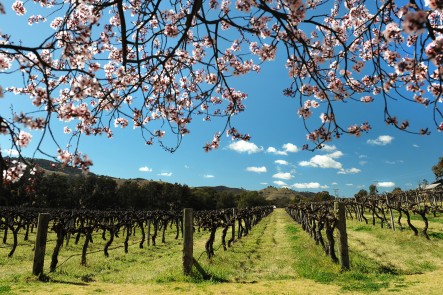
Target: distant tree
x,y
298,198
152,193
422,184
81,188
129,195
281,202
52,191
322,196
251,199
225,200
362,193
438,169
397,190
104,196
373,189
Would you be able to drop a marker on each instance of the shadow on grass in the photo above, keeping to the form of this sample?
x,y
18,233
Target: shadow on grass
x,y
363,228
438,236
69,283
46,279
6,289
366,275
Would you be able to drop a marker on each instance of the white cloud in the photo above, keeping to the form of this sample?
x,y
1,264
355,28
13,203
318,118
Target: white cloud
x,y
264,183
291,148
244,147
10,152
349,171
336,154
287,148
394,162
273,150
408,184
257,169
323,161
186,166
281,162
328,148
208,176
283,175
145,169
309,185
362,163
280,183
349,184
386,184
167,174
381,140
416,145
362,156
334,183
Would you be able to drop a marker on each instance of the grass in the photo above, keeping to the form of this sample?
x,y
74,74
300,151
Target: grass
x,y
277,257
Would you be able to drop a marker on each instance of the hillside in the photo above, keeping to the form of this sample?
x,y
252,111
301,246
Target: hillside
x,y
52,166
273,194
278,196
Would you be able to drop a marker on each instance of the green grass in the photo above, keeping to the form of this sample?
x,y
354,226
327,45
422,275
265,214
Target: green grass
x,y
366,275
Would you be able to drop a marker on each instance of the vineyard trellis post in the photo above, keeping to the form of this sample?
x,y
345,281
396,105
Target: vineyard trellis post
x,y
392,214
40,243
339,208
71,224
234,217
188,243
148,234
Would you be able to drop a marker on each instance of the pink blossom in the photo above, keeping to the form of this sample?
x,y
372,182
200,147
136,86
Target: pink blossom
x,y
121,122
18,7
367,99
23,139
5,62
35,19
14,172
414,22
434,4
171,31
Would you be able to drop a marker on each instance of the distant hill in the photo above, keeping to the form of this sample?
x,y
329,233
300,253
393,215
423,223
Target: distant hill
x,y
52,166
275,194
225,189
270,193
56,167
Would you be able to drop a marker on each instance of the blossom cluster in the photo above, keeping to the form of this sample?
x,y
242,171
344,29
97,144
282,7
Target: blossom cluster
x,y
109,65
14,172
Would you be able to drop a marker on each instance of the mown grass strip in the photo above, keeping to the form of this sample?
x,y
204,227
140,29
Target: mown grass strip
x,y
366,275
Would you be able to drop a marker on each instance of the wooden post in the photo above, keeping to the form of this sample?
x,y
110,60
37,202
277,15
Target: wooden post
x,y
40,244
343,236
188,228
390,211
234,216
71,223
149,232
5,236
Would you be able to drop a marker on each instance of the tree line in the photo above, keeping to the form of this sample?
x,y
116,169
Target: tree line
x,y
57,190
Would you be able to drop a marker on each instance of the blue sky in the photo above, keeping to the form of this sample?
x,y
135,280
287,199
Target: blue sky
x,y
385,156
